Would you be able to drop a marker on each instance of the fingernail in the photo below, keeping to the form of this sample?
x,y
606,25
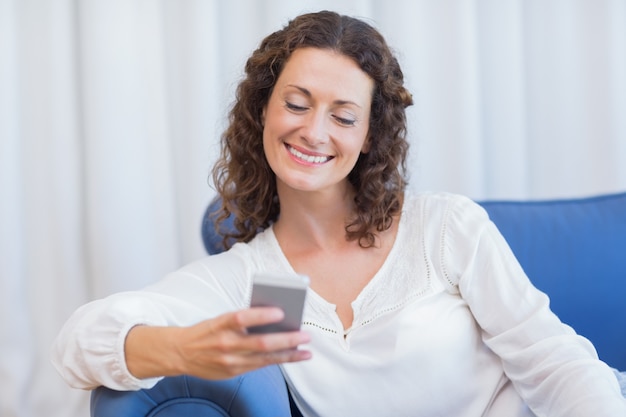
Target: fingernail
x,y
276,314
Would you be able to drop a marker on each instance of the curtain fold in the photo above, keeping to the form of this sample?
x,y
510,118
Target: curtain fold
x,y
128,165
111,113
573,88
42,267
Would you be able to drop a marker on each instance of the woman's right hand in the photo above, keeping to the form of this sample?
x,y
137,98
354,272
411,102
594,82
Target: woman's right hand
x,y
217,348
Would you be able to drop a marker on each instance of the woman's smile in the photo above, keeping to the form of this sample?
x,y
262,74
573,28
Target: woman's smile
x,y
306,157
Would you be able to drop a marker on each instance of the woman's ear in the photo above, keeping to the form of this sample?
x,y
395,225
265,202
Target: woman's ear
x,y
263,115
366,145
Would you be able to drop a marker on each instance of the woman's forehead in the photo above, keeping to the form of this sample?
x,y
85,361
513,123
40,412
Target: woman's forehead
x,y
325,70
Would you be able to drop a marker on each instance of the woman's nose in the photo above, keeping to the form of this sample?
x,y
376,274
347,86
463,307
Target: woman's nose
x,y
315,130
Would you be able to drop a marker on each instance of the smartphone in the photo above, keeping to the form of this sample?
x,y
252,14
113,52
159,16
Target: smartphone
x,y
287,292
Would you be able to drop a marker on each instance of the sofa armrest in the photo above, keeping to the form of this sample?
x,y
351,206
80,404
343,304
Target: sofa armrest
x,y
260,393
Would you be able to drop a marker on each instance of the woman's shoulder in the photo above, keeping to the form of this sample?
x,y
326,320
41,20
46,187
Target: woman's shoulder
x,y
439,201
444,215
248,254
448,227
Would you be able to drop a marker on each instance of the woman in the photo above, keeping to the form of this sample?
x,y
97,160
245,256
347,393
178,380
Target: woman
x,y
416,306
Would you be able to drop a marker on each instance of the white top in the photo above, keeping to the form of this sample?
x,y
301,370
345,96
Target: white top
x,y
450,325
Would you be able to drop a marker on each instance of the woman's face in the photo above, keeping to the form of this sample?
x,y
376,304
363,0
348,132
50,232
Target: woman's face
x,y
316,121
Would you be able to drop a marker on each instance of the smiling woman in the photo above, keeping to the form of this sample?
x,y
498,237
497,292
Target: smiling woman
x,y
111,113
341,87
412,297
317,122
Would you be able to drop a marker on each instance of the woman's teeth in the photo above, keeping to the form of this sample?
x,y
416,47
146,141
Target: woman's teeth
x,y
308,158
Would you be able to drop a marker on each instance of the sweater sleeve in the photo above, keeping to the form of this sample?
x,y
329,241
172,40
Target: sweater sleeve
x,y
89,350
556,371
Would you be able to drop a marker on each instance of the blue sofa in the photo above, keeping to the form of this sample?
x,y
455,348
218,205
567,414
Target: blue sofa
x,y
574,250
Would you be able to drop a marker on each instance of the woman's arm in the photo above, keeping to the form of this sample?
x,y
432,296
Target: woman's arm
x,y
190,322
556,371
212,349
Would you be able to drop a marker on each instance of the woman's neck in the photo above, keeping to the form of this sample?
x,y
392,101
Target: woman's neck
x,y
316,219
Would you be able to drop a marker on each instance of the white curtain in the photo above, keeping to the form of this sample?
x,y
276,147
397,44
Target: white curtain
x,y
111,111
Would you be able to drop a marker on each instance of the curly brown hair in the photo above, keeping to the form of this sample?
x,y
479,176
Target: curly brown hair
x,y
242,175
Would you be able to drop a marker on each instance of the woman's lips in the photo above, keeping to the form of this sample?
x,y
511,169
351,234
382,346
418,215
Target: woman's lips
x,y
306,157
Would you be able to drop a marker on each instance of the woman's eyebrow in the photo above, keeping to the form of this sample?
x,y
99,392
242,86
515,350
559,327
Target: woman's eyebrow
x,y
307,93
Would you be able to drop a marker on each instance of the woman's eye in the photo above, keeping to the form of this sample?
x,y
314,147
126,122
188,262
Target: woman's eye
x,y
294,107
344,121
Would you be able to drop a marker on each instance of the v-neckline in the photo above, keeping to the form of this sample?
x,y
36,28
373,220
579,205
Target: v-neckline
x,y
366,293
